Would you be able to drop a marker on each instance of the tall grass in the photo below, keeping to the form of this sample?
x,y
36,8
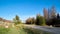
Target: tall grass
x,y
20,29
4,30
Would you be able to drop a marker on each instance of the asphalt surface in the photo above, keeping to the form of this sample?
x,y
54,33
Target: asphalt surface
x,y
55,30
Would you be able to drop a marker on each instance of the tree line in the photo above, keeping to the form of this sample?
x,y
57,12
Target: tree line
x,y
38,21
41,20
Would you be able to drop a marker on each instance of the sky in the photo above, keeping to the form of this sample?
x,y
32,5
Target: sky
x,y
25,8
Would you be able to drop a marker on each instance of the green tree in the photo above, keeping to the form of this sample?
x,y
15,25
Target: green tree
x,y
40,20
16,20
37,19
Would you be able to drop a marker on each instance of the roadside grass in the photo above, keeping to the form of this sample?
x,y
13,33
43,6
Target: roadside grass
x,y
4,30
17,29
20,29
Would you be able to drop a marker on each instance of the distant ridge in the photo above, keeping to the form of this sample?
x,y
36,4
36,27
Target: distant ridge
x,y
4,20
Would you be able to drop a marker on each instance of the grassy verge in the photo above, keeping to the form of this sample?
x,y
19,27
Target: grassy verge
x,y
20,29
12,30
4,30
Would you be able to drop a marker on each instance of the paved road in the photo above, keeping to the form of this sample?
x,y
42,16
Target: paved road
x,y
55,30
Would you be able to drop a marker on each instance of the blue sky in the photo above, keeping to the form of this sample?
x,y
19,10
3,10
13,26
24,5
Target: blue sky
x,y
25,8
